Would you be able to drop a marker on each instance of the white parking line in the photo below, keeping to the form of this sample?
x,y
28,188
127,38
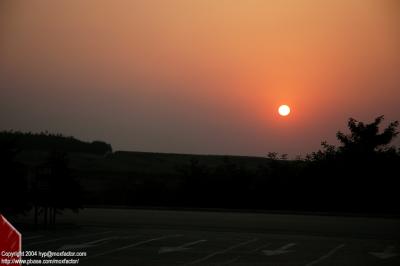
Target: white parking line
x,y
132,245
260,247
279,251
222,251
330,253
62,238
237,258
87,244
387,253
183,247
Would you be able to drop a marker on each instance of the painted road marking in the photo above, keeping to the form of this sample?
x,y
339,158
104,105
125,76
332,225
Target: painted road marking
x,y
238,257
260,247
132,245
222,251
330,253
180,248
63,238
279,251
386,254
87,244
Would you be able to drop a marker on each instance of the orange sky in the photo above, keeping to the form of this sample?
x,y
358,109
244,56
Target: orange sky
x,y
202,76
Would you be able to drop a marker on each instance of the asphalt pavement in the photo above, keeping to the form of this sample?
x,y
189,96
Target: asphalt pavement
x,y
162,237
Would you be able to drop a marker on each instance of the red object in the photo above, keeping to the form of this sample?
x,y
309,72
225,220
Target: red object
x,y
10,243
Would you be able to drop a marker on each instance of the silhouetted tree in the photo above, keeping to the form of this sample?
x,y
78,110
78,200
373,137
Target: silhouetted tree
x,y
284,156
55,189
65,190
14,198
195,182
272,155
365,138
360,172
231,182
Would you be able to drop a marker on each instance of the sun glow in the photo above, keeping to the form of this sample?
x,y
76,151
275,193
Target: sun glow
x,y
284,110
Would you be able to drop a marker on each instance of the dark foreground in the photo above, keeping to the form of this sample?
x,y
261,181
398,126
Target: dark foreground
x,y
152,238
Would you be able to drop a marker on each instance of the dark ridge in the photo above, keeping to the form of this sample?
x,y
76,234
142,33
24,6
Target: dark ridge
x,y
45,141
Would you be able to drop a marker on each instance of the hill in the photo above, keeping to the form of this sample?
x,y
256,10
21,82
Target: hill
x,y
143,178
47,142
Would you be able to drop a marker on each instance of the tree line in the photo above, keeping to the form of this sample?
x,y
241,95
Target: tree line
x,y
360,175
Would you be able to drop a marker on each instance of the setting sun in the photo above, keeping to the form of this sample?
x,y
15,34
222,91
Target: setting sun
x,y
284,110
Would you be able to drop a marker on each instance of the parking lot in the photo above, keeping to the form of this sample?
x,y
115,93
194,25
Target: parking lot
x,y
139,237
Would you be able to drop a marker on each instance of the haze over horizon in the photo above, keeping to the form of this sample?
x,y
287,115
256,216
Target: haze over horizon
x,y
203,77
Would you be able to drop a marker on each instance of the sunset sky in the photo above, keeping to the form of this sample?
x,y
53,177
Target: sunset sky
x,y
201,76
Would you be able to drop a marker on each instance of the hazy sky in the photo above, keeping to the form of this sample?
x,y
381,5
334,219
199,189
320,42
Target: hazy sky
x,y
202,76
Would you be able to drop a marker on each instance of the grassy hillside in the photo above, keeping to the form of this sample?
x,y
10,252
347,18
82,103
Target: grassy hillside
x,y
141,163
138,178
